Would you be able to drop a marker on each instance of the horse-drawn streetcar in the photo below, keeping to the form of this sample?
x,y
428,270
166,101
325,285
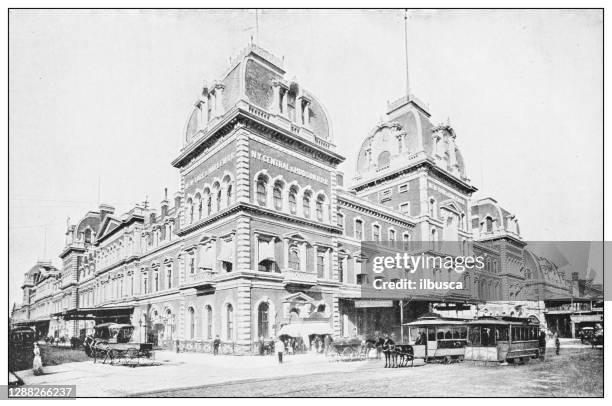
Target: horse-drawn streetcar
x,y
438,338
504,339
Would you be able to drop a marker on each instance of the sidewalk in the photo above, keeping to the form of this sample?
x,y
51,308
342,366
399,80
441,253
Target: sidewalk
x,y
183,370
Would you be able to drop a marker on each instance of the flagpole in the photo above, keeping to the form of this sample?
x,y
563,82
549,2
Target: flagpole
x,y
406,51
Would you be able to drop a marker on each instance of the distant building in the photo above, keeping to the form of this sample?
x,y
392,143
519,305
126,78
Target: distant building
x,y
263,234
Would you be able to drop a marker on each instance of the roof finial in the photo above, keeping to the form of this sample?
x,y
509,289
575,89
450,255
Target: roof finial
x,y
406,50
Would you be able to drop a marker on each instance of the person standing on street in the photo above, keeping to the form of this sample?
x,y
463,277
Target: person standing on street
x,y
279,347
216,344
37,367
557,344
542,344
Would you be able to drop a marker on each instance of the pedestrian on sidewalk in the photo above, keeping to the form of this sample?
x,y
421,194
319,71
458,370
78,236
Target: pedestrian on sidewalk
x,y
216,344
557,344
37,364
279,347
542,344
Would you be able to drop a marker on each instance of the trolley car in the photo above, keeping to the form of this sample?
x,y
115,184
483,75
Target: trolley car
x,y
438,338
503,339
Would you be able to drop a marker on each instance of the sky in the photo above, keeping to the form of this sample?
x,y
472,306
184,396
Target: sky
x,y
98,102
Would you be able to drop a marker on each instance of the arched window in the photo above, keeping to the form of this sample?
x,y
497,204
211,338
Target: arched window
x,y
277,195
319,207
198,200
169,327
432,208
384,159
191,323
263,320
434,238
267,265
293,199
375,232
358,229
294,258
229,317
218,195
406,239
87,235
190,208
229,192
169,276
208,322
261,190
208,204
489,224
391,235
306,204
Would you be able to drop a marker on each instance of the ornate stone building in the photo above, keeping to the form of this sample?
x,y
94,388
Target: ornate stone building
x,y
263,234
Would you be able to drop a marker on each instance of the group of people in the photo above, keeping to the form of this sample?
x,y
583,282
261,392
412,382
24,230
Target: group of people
x,y
292,345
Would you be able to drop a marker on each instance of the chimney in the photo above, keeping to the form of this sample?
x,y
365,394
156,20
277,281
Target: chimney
x,y
105,210
164,204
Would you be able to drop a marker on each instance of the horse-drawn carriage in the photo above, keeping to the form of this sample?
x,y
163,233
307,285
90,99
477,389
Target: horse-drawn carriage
x,y
350,349
113,342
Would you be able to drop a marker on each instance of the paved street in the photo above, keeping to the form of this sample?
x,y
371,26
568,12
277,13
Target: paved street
x,y
576,372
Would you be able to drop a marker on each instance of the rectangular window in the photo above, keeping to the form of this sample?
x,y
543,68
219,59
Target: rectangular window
x,y
340,221
320,265
402,188
392,235
405,208
385,195
375,232
359,229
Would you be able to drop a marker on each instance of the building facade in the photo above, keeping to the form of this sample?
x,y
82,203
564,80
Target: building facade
x,y
263,233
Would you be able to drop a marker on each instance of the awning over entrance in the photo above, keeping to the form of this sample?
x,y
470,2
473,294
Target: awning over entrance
x,y
97,313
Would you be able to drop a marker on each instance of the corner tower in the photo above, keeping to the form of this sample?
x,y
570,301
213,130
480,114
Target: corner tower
x,y
257,202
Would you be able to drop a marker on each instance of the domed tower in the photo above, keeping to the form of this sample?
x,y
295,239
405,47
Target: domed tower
x,y
415,167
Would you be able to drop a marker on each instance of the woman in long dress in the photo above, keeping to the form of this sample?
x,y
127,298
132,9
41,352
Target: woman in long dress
x,y
37,366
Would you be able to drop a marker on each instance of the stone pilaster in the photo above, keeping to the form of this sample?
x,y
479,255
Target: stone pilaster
x,y
243,181
182,319
243,243
334,260
243,320
336,316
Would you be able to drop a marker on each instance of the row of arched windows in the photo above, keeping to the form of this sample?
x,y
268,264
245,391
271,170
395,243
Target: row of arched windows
x,y
291,198
210,200
208,330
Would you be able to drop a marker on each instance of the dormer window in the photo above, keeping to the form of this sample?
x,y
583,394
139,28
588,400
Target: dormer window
x,y
489,224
